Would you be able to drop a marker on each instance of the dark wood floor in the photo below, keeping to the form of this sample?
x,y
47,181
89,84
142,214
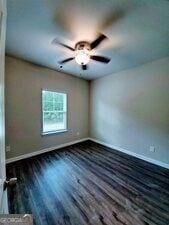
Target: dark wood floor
x,y
90,184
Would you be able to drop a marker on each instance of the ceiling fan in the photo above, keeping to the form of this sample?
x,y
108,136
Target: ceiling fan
x,y
83,50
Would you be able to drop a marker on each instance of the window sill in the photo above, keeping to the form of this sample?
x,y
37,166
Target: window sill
x,y
53,132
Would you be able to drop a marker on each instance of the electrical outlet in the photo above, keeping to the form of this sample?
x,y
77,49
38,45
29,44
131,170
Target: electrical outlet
x,y
152,149
8,148
78,133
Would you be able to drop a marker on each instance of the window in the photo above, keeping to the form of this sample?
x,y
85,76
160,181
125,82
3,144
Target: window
x,y
54,109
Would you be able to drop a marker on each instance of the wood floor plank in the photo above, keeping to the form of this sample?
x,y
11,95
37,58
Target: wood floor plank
x,y
90,184
132,199
136,177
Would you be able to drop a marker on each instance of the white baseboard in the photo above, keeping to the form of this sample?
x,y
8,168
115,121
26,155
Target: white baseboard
x,y
28,155
154,161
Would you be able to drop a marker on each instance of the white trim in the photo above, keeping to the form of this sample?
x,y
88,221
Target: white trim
x,y
14,159
54,132
5,204
154,161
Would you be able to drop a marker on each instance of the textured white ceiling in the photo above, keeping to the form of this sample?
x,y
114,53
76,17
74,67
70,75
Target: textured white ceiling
x,y
140,36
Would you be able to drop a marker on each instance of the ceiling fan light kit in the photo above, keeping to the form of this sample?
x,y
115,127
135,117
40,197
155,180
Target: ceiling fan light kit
x,y
82,55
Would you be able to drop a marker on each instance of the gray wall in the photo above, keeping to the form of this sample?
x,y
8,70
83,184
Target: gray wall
x,y
24,82
130,109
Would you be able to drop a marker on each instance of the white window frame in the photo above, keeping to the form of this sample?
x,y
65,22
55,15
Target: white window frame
x,y
42,112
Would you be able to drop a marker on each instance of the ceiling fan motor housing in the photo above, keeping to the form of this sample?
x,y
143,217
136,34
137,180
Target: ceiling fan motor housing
x,y
82,45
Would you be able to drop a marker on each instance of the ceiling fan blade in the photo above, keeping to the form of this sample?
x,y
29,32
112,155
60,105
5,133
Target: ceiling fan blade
x,y
66,60
84,67
98,40
101,59
64,45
